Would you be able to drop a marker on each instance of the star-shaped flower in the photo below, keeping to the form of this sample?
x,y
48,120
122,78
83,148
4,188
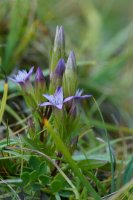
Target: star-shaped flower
x,y
22,76
57,100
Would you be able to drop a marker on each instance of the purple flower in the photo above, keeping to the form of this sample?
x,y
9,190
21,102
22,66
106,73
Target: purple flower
x,y
22,77
79,93
55,100
77,96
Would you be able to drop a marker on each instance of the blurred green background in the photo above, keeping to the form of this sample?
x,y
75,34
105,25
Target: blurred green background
x,y
100,33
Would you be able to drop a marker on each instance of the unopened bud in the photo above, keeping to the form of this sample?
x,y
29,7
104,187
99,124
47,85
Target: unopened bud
x,y
40,85
58,49
71,62
56,79
60,68
70,76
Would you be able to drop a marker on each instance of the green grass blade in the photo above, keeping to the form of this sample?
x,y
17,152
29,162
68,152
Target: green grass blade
x,y
3,102
19,11
112,158
115,43
125,193
128,172
111,127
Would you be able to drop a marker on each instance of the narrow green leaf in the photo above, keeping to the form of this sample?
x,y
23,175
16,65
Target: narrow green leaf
x,y
90,164
111,154
3,102
128,174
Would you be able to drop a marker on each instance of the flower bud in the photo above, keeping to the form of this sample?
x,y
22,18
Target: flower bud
x,y
56,40
56,79
60,68
62,40
71,62
59,42
39,77
70,76
58,49
40,85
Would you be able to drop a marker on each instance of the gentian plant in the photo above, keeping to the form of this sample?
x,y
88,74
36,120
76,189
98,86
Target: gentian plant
x,y
53,128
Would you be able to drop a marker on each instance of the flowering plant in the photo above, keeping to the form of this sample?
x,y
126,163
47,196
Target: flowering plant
x,y
55,106
60,99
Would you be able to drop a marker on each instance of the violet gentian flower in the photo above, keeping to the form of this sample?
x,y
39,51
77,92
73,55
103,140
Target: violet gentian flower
x,y
55,100
22,77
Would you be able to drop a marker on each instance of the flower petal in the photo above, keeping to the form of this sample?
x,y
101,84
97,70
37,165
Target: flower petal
x,y
29,73
49,97
59,106
46,104
82,97
69,98
79,92
59,95
15,81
